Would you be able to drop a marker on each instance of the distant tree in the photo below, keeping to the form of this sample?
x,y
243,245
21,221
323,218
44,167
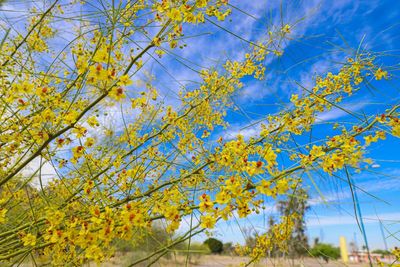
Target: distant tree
x,y
325,251
215,245
296,203
250,237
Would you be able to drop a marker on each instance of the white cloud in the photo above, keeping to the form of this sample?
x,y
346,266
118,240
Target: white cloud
x,y
336,113
43,171
373,184
347,219
248,130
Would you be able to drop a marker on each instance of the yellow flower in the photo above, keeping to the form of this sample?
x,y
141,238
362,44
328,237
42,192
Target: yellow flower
x,y
294,98
396,130
369,139
157,41
286,28
201,3
208,221
3,215
55,217
205,203
97,74
317,151
174,225
124,80
89,142
82,64
78,151
79,131
101,55
222,197
379,74
95,253
172,213
43,92
29,240
396,253
117,93
282,186
93,122
25,87
175,14
265,188
234,186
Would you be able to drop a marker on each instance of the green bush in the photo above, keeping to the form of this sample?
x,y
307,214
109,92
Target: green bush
x,y
214,245
325,251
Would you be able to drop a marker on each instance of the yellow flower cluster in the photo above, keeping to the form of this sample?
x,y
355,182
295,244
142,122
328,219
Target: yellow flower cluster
x,y
276,237
162,163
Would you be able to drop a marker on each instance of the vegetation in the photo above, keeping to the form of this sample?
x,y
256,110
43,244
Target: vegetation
x,y
325,251
215,245
137,163
298,241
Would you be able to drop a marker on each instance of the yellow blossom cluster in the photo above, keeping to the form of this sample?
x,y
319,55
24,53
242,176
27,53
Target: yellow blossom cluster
x,y
163,163
276,237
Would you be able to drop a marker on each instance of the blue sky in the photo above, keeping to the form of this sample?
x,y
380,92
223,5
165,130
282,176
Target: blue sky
x,y
323,34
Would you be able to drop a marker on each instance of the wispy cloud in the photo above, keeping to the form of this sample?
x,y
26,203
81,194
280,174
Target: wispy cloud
x,y
350,220
368,184
336,113
247,132
41,171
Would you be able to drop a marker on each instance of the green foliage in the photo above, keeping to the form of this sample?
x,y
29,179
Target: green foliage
x,y
325,251
214,245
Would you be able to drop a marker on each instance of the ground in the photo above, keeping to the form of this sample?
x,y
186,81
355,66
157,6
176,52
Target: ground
x,y
229,261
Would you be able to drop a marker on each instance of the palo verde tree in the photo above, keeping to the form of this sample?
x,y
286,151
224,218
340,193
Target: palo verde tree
x,y
163,162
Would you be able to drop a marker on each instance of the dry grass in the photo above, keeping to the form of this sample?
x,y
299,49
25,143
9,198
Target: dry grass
x,y
220,260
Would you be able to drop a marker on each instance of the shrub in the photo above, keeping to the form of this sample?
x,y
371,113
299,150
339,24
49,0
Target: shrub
x,y
325,251
214,245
